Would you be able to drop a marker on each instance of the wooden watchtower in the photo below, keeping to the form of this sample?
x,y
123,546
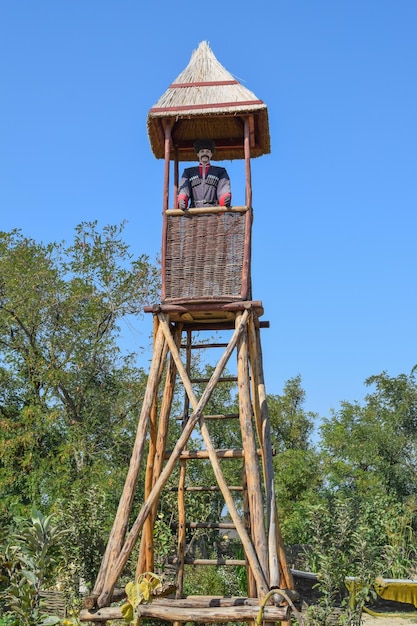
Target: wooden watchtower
x,y
206,287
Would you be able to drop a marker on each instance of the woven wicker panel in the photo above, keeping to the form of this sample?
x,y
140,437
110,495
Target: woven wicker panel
x,y
53,602
204,256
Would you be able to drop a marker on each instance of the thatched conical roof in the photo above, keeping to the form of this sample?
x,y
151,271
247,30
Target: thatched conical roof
x,y
206,101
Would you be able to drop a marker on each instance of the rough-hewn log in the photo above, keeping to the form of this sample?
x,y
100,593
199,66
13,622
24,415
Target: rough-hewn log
x,y
146,552
254,493
278,568
260,409
173,613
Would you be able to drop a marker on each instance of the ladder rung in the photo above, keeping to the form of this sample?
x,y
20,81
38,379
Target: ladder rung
x,y
220,416
188,561
224,379
213,488
231,453
200,346
219,525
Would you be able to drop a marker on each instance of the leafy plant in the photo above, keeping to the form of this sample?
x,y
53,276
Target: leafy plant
x,y
142,591
27,566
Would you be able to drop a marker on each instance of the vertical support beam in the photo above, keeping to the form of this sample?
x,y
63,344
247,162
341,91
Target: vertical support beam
x,y
146,552
248,174
277,556
253,478
167,124
155,463
176,178
246,293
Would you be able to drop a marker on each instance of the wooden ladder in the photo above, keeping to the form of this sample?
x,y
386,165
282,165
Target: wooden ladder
x,y
255,522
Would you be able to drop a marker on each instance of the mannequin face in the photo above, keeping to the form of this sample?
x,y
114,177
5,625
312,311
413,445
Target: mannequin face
x,y
204,155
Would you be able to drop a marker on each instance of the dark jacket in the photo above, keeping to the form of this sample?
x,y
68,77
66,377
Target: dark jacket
x,y
201,190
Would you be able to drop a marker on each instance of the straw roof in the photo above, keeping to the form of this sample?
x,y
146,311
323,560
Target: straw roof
x,y
206,102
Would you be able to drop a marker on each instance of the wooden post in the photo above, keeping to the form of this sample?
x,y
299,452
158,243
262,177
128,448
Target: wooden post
x,y
251,457
155,462
262,422
278,561
167,124
246,142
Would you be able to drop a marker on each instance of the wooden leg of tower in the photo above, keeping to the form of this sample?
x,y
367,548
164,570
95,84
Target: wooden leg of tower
x,y
120,524
256,507
280,573
260,408
155,463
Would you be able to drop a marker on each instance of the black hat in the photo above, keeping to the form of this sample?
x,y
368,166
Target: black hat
x,y
202,144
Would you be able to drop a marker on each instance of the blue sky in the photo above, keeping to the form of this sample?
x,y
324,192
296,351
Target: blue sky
x,y
334,254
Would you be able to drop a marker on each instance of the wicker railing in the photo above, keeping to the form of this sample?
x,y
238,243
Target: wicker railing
x,y
206,255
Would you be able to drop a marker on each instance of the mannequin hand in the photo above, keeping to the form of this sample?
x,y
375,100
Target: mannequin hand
x,y
227,200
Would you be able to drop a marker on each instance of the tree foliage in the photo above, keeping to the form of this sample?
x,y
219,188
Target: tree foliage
x,y
372,447
69,394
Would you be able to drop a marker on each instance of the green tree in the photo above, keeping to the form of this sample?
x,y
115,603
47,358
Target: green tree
x,y
69,395
296,463
372,447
